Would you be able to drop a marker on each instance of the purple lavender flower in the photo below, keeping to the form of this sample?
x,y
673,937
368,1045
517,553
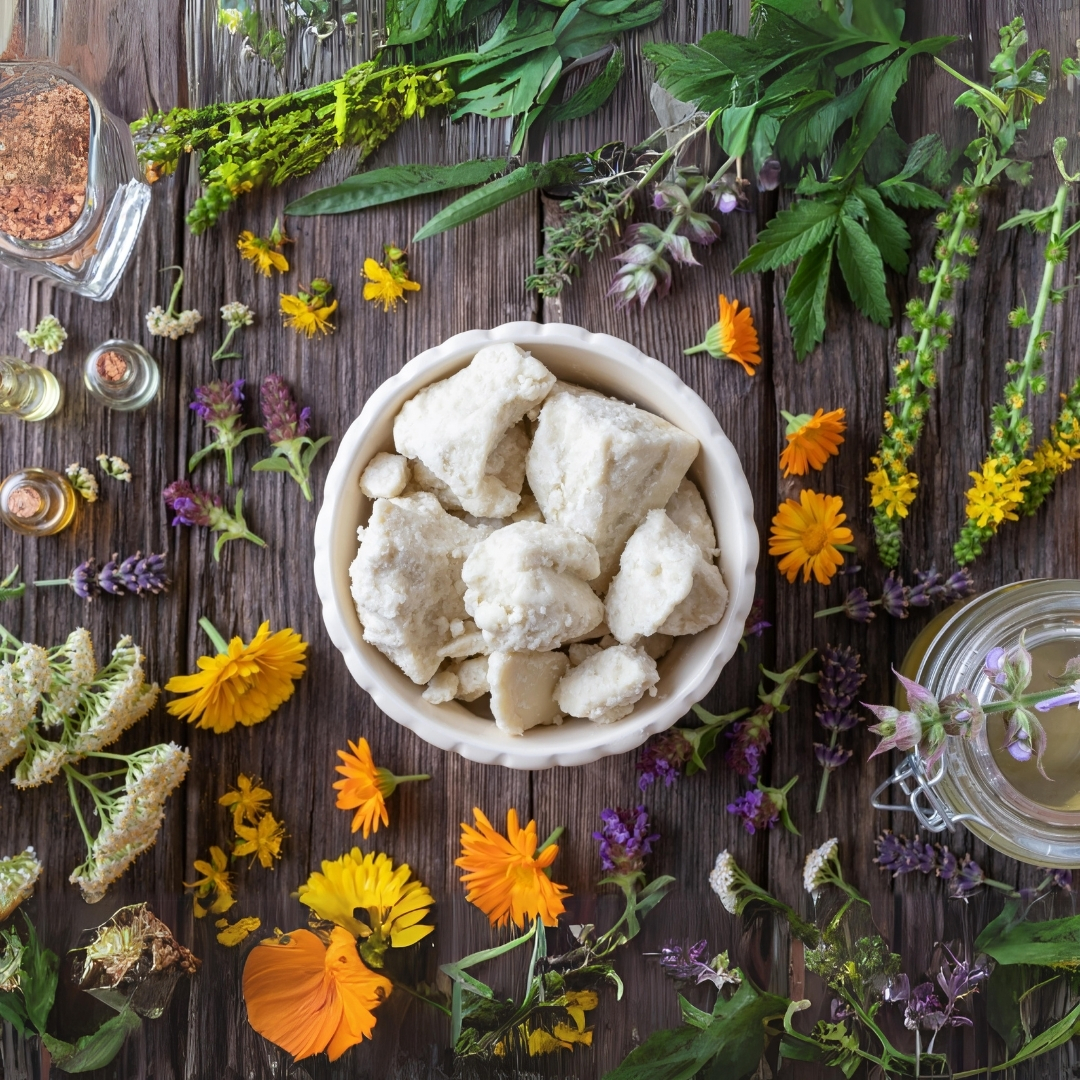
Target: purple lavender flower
x,y
195,507
1059,879
664,758
958,585
147,574
927,587
115,577
967,879
948,864
83,580
903,856
110,578
894,597
838,684
684,964
625,840
857,605
831,757
286,428
219,403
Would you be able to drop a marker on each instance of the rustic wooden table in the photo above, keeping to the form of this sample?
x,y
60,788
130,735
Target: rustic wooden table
x,y
142,54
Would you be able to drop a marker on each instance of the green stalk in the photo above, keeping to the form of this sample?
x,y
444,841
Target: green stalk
x,y
69,772
215,637
826,774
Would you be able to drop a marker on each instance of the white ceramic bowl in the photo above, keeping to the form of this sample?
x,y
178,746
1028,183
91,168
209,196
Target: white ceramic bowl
x,y
686,674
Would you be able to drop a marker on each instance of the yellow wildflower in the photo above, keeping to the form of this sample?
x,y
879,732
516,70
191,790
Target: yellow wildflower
x,y
896,495
997,492
394,905
234,933
246,800
388,284
578,1002
805,535
216,879
265,251
561,1037
308,312
262,841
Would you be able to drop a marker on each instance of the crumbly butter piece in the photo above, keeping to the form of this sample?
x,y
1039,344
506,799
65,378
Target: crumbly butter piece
x,y
598,465
522,689
385,476
657,645
688,510
406,580
442,687
472,676
580,651
526,587
454,426
606,686
664,584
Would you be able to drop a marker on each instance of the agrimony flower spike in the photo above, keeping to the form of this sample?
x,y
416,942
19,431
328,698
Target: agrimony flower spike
x,y
286,428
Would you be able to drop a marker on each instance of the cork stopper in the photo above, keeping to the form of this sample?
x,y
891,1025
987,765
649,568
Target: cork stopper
x,y
112,366
25,502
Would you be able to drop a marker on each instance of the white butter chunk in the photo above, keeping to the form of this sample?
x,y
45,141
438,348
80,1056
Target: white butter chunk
x,y
598,465
472,676
385,476
580,651
523,688
526,587
665,584
657,645
454,426
605,686
442,687
688,510
406,580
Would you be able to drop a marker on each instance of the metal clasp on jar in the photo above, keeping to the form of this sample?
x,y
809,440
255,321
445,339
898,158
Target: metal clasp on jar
x,y
923,801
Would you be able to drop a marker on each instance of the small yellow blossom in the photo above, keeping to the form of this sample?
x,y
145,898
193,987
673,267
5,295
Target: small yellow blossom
x,y
246,800
896,495
265,251
997,492
216,879
388,284
262,841
233,933
308,312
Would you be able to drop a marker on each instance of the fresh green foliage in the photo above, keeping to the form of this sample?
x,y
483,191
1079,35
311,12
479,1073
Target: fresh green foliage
x,y
9,590
1012,939
726,1043
38,978
393,183
96,1050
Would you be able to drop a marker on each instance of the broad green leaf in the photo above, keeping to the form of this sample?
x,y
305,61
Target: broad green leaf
x,y
804,300
272,464
13,1010
483,200
1007,985
598,24
93,1051
593,94
691,74
39,977
1065,1029
308,456
1010,941
921,154
735,124
864,272
791,234
914,196
886,229
395,182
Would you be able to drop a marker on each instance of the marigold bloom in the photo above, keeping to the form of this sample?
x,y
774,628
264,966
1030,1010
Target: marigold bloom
x,y
306,997
895,495
734,336
366,787
395,905
246,800
811,440
388,284
261,841
505,875
243,685
806,533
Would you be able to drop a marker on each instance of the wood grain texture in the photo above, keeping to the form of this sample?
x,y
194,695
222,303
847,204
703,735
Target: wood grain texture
x,y
143,54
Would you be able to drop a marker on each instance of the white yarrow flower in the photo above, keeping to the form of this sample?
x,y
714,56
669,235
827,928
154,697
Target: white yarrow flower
x,y
236,315
73,669
114,466
816,871
83,481
162,324
724,881
40,764
18,874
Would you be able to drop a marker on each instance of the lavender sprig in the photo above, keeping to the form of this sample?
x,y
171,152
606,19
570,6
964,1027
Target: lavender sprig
x,y
763,808
838,684
136,574
219,403
193,506
286,428
931,586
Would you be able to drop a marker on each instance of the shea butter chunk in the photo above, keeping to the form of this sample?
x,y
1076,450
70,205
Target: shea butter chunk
x,y
442,687
472,676
605,686
523,688
687,509
385,477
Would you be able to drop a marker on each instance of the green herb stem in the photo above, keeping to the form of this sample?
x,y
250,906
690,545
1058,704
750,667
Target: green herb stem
x,y
214,635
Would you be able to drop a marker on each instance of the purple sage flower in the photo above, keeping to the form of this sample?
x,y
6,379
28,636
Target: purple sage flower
x,y
764,808
219,403
727,202
625,840
664,758
287,429
195,507
750,738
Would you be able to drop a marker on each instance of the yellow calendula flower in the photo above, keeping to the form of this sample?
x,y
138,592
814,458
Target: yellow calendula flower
x,y
811,440
388,284
233,933
997,492
894,495
394,905
805,536
246,800
261,841
308,311
243,683
733,336
265,251
216,879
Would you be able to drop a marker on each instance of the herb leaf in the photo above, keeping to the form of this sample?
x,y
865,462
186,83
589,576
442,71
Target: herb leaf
x,y
593,94
1011,941
395,182
96,1050
39,978
791,234
804,300
886,229
864,272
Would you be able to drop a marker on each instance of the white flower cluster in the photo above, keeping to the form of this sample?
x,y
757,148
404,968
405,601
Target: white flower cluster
x,y
114,466
132,825
18,874
47,337
161,323
236,315
73,669
724,879
817,870
11,958
83,481
22,682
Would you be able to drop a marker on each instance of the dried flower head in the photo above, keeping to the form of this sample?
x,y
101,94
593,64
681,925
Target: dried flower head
x,y
83,481
18,875
47,337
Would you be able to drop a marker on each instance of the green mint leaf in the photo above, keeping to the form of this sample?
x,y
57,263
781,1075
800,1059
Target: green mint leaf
x,y
804,300
396,182
864,272
791,234
593,94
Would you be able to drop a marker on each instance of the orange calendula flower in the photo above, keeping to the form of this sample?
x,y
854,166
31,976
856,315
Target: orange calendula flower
x,y
366,787
811,440
388,284
806,534
505,874
734,336
244,683
306,997
308,312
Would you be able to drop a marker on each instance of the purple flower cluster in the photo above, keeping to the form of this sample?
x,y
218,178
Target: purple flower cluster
x,y
838,684
280,417
756,623
684,964
896,597
750,738
924,1008
900,856
219,402
136,574
758,808
625,840
191,505
664,758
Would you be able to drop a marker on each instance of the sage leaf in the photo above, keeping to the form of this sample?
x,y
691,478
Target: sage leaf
x,y
1008,940
863,270
381,186
791,234
804,300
